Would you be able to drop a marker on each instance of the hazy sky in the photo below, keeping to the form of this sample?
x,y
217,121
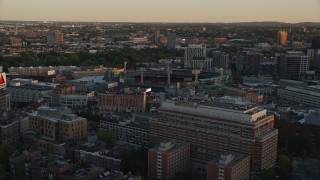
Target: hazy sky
x,y
161,10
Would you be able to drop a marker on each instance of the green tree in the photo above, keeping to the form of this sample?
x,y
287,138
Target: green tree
x,y
5,152
107,137
136,161
268,174
285,165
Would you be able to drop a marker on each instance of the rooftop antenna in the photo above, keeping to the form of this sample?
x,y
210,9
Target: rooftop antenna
x,y
169,71
142,69
196,73
125,68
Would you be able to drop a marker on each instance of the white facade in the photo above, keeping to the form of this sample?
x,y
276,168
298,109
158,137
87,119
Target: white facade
x,y
126,132
26,94
304,64
243,114
309,96
193,51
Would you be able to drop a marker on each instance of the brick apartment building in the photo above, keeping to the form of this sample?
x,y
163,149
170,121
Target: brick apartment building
x,y
166,160
123,101
229,166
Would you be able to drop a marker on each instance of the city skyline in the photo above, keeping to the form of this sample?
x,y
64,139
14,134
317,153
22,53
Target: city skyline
x,y
161,11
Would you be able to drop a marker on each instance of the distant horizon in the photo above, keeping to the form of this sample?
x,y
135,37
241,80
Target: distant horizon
x,y
161,11
158,22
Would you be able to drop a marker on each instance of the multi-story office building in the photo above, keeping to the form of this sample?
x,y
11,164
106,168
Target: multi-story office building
x,y
268,68
251,64
76,101
127,131
4,100
34,71
282,38
241,58
166,160
311,53
213,128
55,123
308,95
156,36
171,40
229,166
317,59
55,38
11,127
220,59
195,56
130,101
292,65
24,87
28,93
67,96
62,90
316,43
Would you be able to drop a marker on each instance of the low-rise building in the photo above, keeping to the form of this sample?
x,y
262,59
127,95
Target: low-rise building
x,y
58,124
88,72
309,95
126,100
28,90
127,130
97,173
252,95
11,127
76,101
17,163
83,174
46,168
102,158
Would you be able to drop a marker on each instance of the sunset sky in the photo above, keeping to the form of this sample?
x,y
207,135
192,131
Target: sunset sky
x,y
161,10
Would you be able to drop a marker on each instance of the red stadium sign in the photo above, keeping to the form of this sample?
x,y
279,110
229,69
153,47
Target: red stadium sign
x,y
3,80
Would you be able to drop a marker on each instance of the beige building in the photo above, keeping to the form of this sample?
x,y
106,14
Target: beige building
x,y
100,71
57,124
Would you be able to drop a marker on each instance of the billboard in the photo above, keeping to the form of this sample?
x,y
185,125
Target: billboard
x,y
51,72
3,80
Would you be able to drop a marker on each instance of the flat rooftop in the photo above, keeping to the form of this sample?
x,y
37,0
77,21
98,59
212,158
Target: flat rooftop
x,y
56,114
242,113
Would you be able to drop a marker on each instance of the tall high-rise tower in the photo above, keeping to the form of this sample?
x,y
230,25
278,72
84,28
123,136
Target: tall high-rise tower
x,y
156,36
282,38
16,31
171,40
